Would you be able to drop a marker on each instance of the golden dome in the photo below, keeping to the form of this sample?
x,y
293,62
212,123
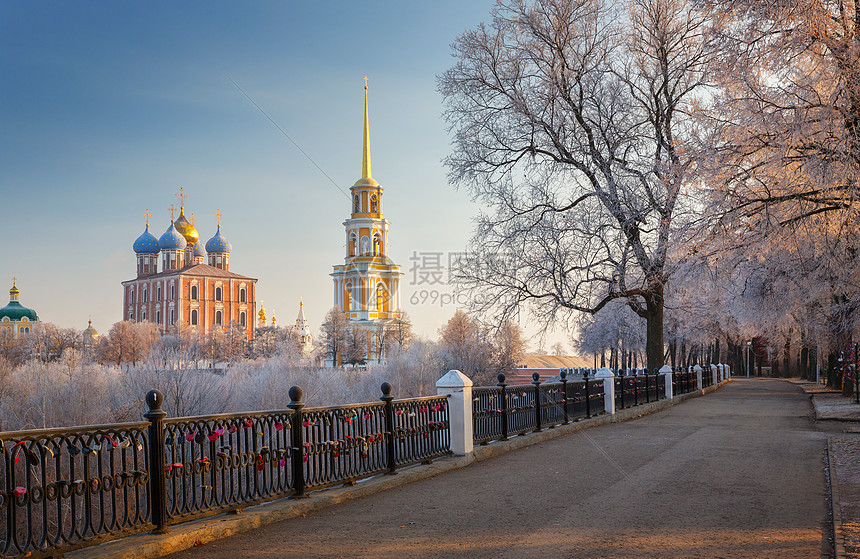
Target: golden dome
x,y
186,229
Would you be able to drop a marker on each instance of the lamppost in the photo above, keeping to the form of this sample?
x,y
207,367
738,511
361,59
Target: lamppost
x,y
749,352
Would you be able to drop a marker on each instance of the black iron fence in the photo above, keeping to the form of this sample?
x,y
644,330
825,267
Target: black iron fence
x,y
683,381
633,388
501,411
62,489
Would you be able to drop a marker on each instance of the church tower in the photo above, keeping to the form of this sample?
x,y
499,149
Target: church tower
x,y
367,285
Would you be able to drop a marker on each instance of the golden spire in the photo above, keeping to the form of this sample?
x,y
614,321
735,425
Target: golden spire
x,y
274,320
147,215
366,178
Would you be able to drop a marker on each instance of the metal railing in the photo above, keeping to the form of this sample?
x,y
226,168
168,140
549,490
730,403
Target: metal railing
x,y
636,389
683,381
62,489
501,411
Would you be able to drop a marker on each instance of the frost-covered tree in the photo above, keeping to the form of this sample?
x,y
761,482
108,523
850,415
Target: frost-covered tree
x,y
571,123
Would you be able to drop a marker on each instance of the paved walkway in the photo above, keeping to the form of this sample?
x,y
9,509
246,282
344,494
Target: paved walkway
x,y
738,473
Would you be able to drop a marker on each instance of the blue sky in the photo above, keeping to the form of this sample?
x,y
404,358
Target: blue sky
x,y
108,108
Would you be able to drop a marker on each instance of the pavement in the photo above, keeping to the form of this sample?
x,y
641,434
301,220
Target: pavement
x,y
840,417
739,473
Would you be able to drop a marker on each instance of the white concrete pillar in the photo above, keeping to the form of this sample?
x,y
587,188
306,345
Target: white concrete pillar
x,y
608,389
458,387
666,371
698,370
715,374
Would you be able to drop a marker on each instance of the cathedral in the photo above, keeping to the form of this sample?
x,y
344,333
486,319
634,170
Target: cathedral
x,y
15,317
195,287
367,284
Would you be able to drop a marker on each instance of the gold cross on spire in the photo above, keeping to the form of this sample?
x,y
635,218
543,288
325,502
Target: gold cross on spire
x,y
193,220
147,215
13,281
365,82
218,216
182,196
172,209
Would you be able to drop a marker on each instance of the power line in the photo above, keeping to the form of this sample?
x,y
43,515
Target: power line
x,y
287,136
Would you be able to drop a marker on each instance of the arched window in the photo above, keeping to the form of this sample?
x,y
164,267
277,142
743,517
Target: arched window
x,y
242,319
353,244
365,246
158,316
356,204
171,317
374,204
219,294
194,317
242,295
194,293
381,297
172,292
219,318
347,298
158,293
377,245
145,294
143,313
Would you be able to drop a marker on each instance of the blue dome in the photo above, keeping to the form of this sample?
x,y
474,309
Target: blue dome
x,y
198,250
172,239
146,243
218,243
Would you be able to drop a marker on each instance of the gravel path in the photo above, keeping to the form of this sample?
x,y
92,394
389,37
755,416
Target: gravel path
x,y
737,473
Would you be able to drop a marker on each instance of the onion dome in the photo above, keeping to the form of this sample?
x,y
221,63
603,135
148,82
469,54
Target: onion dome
x,y
146,243
218,243
15,311
186,229
172,239
198,250
90,334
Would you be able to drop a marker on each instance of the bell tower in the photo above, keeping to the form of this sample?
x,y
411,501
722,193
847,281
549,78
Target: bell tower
x,y
367,285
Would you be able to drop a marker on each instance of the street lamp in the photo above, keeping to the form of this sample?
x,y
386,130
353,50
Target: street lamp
x,y
749,352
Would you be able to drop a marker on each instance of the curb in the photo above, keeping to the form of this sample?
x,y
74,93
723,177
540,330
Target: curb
x,y
197,533
836,510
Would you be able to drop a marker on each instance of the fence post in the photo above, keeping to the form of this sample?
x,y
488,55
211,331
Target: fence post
x,y
587,394
666,371
458,387
389,426
698,370
608,389
563,375
297,450
157,462
504,405
536,382
647,388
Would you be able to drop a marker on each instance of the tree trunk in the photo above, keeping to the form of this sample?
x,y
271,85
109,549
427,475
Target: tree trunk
x,y
804,363
654,328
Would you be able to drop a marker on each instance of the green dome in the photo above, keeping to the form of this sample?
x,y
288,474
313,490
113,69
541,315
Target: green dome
x,y
15,312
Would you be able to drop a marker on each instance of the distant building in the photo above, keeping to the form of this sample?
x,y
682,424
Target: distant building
x,y
303,330
15,317
547,366
187,291
367,284
89,338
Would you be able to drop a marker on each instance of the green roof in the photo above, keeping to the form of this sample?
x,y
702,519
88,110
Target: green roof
x,y
15,312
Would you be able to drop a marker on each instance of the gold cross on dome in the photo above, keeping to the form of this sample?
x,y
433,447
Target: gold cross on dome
x,y
218,216
365,82
193,220
182,196
172,209
147,215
